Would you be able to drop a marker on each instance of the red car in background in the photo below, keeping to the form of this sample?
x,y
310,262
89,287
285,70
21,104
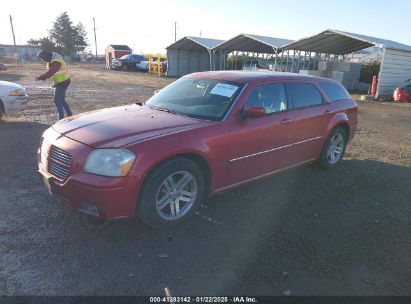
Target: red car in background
x,y
203,134
402,94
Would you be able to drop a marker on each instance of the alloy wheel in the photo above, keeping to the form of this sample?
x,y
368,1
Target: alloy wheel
x,y
176,195
335,148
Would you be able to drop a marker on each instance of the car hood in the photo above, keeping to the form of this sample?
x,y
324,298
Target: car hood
x,y
120,126
6,87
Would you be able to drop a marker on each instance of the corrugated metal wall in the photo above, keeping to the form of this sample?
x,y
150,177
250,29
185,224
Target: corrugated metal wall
x,y
395,70
182,62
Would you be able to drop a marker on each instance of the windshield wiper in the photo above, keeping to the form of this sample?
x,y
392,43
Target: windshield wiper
x,y
164,110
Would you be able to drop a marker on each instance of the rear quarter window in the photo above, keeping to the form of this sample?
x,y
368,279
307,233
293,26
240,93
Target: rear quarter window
x,y
334,92
304,94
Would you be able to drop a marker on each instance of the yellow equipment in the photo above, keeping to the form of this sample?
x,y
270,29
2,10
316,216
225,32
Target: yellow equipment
x,y
157,65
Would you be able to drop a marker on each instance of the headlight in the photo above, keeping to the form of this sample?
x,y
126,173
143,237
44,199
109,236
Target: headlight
x,y
18,92
110,162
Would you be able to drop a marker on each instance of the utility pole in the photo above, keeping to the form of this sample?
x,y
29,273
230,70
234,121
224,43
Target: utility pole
x,y
175,31
95,36
14,37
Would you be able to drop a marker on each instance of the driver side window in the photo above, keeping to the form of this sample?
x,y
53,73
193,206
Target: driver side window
x,y
272,97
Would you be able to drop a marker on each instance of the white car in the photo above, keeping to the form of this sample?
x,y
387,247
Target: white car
x,y
13,97
142,65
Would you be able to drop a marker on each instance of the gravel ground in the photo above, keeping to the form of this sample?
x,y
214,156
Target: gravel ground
x,y
302,232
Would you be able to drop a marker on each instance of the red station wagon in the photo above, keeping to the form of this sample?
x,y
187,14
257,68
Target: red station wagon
x,y
203,134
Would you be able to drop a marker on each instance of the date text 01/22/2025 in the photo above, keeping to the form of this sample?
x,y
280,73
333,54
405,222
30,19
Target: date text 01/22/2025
x,y
203,300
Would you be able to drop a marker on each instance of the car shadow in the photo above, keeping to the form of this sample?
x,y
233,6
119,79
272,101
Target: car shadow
x,y
326,227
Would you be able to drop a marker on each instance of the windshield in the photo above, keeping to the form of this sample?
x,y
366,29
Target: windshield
x,y
125,57
200,98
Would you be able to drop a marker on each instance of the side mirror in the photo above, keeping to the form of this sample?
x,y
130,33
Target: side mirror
x,y
254,112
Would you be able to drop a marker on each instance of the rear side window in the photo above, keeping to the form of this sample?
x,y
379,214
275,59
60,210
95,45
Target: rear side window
x,y
333,91
304,95
270,96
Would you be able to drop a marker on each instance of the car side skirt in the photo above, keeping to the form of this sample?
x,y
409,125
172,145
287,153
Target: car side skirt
x,y
223,189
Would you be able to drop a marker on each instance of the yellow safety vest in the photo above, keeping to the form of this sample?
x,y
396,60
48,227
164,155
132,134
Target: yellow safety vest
x,y
62,74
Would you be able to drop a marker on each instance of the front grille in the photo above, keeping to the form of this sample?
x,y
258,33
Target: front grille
x,y
60,156
59,163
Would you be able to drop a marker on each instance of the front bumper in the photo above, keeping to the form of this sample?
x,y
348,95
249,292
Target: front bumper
x,y
116,64
105,197
108,202
16,103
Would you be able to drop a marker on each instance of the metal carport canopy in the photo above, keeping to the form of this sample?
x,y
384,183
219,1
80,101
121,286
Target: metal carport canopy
x,y
253,43
190,43
341,43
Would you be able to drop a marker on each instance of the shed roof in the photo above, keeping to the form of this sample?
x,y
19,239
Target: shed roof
x,y
191,43
253,43
341,43
119,47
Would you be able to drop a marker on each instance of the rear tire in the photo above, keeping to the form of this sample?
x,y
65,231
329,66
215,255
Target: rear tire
x,y
171,193
334,149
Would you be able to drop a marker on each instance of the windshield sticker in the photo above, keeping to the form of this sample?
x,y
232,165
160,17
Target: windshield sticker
x,y
224,89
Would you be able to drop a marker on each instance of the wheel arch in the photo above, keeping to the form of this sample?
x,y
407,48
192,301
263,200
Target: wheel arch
x,y
196,158
345,127
341,119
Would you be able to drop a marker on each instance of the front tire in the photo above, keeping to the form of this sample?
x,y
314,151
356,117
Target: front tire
x,y
124,68
171,193
2,111
334,148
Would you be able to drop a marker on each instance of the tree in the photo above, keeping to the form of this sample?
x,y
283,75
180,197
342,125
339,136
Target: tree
x,y
64,37
370,69
71,39
80,37
45,43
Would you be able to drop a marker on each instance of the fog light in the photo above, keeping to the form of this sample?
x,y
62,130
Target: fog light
x,y
89,209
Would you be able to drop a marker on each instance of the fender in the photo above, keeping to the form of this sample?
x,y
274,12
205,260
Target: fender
x,y
177,145
339,118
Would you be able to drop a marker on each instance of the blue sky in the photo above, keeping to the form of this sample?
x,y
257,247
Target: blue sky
x,y
298,19
147,29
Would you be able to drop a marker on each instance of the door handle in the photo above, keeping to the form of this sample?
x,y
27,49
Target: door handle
x,y
286,120
327,111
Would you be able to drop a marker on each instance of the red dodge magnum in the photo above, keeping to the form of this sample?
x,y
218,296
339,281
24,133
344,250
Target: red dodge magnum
x,y
203,134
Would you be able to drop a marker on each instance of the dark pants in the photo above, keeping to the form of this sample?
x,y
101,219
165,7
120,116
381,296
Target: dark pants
x,y
60,101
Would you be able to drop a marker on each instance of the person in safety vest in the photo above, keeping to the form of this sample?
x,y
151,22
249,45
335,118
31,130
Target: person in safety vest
x,y
57,71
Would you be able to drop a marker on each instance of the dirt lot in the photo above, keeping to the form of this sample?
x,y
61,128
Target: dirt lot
x,y
304,232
